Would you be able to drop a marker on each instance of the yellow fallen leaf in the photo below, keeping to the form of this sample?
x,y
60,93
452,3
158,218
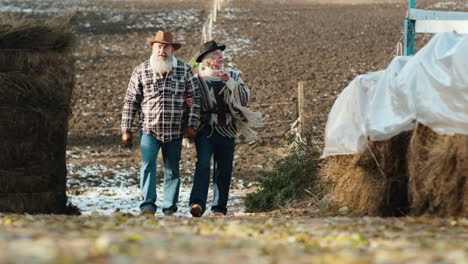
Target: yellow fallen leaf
x,y
134,238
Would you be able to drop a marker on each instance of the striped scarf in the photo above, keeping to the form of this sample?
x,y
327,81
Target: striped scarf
x,y
240,119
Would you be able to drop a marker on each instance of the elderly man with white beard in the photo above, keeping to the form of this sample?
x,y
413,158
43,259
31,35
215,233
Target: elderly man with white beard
x,y
159,90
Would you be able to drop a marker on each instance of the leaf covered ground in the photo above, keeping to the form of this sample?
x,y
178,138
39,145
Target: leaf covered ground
x,y
281,237
275,44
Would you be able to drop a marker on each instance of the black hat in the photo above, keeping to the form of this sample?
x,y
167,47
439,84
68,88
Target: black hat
x,y
207,47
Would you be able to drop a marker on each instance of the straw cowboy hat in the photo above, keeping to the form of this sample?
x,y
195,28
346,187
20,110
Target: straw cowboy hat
x,y
164,37
207,47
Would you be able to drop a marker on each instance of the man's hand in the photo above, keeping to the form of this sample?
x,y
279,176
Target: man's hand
x,y
127,139
191,133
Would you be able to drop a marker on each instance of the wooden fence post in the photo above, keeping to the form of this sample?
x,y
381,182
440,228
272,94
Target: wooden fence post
x,y
215,9
203,34
210,27
300,106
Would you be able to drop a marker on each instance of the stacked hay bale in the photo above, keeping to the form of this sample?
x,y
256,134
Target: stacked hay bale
x,y
36,82
415,173
438,172
373,182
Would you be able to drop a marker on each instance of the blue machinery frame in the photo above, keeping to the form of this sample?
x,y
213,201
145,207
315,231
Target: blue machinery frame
x,y
409,27
430,21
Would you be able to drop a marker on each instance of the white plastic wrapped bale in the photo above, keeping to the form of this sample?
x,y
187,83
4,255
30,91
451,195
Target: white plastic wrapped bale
x,y
390,110
430,87
437,76
345,131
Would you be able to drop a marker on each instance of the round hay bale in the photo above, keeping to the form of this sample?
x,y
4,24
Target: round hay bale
x,y
53,35
36,82
438,172
33,203
371,183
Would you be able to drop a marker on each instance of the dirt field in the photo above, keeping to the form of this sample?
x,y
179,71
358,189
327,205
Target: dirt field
x,y
275,44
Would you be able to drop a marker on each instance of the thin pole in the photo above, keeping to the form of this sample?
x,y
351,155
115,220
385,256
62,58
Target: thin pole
x,y
300,106
215,9
204,33
409,26
210,27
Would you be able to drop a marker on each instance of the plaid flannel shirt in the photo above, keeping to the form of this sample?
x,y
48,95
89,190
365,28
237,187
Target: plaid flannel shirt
x,y
161,102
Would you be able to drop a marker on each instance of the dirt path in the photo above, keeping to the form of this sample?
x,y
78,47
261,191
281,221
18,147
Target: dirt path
x,y
265,238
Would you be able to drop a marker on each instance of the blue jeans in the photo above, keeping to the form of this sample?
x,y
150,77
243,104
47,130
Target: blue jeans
x,y
150,146
210,143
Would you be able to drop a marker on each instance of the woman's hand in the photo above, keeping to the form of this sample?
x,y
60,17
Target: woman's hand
x,y
223,76
189,101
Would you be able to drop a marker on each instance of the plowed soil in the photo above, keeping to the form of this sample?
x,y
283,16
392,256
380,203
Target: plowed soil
x,y
276,44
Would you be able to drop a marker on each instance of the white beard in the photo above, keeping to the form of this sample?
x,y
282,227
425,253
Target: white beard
x,y
161,66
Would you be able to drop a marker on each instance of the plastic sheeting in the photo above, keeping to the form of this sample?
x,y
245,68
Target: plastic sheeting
x,y
430,87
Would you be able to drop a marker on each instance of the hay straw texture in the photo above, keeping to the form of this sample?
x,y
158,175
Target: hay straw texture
x,y
36,83
372,183
438,171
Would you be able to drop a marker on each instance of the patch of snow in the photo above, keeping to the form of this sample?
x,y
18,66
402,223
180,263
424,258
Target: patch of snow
x,y
451,5
99,175
113,47
106,200
104,190
235,46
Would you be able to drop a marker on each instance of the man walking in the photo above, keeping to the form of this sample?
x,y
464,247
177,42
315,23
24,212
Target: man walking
x,y
223,97
157,91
